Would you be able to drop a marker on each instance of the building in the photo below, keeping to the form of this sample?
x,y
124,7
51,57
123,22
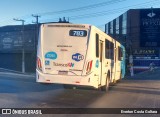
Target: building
x,y
16,38
13,39
139,31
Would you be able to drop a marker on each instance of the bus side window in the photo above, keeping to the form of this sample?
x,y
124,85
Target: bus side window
x,y
107,49
111,50
97,45
120,54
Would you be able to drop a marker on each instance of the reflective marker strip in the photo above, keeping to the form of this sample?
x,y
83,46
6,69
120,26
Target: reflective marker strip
x,y
89,66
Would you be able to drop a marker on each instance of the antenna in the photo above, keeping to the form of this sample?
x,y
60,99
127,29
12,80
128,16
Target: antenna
x,y
64,20
60,20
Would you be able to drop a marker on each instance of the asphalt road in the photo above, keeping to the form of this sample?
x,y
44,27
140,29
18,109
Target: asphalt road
x,y
21,91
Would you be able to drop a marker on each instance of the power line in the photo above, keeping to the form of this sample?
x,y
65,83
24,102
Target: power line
x,y
108,12
102,13
109,2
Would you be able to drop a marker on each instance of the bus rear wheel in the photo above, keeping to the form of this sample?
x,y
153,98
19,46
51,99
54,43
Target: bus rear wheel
x,y
106,87
120,78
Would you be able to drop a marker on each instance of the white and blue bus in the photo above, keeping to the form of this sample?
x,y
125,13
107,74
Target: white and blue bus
x,y
78,54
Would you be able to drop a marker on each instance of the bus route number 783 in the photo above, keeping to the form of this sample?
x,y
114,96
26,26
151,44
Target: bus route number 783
x,y
79,33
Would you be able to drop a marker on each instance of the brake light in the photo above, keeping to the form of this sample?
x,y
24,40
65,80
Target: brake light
x,y
89,66
39,65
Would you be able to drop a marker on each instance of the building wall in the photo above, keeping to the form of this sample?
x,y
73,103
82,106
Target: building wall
x,y
133,28
11,44
142,38
13,61
13,40
149,28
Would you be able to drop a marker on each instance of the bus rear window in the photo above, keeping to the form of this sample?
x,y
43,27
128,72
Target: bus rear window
x,y
78,33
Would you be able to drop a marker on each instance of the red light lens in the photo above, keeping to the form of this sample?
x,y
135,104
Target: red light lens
x,y
89,66
39,65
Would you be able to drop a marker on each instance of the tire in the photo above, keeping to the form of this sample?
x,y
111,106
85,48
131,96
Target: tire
x,y
120,78
45,83
114,82
106,87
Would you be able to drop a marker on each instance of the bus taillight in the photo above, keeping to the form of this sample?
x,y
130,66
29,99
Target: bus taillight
x,y
39,65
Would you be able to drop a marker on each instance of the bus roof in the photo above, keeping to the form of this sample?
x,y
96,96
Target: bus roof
x,y
66,25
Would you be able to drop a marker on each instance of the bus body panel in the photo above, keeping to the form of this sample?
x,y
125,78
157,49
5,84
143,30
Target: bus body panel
x,y
117,62
89,80
61,52
68,59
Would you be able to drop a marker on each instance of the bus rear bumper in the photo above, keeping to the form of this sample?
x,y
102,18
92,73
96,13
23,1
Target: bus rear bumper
x,y
89,80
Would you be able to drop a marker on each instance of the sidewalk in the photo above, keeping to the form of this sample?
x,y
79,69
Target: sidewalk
x,y
146,75
17,73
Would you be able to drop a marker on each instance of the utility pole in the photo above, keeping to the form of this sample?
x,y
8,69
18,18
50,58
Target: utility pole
x,y
22,37
37,29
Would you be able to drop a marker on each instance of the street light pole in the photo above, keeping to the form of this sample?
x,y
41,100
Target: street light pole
x,y
37,29
23,52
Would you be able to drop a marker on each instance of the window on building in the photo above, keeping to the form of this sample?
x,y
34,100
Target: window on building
x,y
117,25
111,27
107,29
124,23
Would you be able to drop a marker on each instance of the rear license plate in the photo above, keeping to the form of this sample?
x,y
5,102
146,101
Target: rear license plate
x,y
63,72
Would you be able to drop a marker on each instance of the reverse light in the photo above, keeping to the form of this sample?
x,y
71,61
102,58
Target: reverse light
x,y
39,65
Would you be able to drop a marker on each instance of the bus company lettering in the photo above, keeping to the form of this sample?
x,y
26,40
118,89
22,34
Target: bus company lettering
x,y
63,65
